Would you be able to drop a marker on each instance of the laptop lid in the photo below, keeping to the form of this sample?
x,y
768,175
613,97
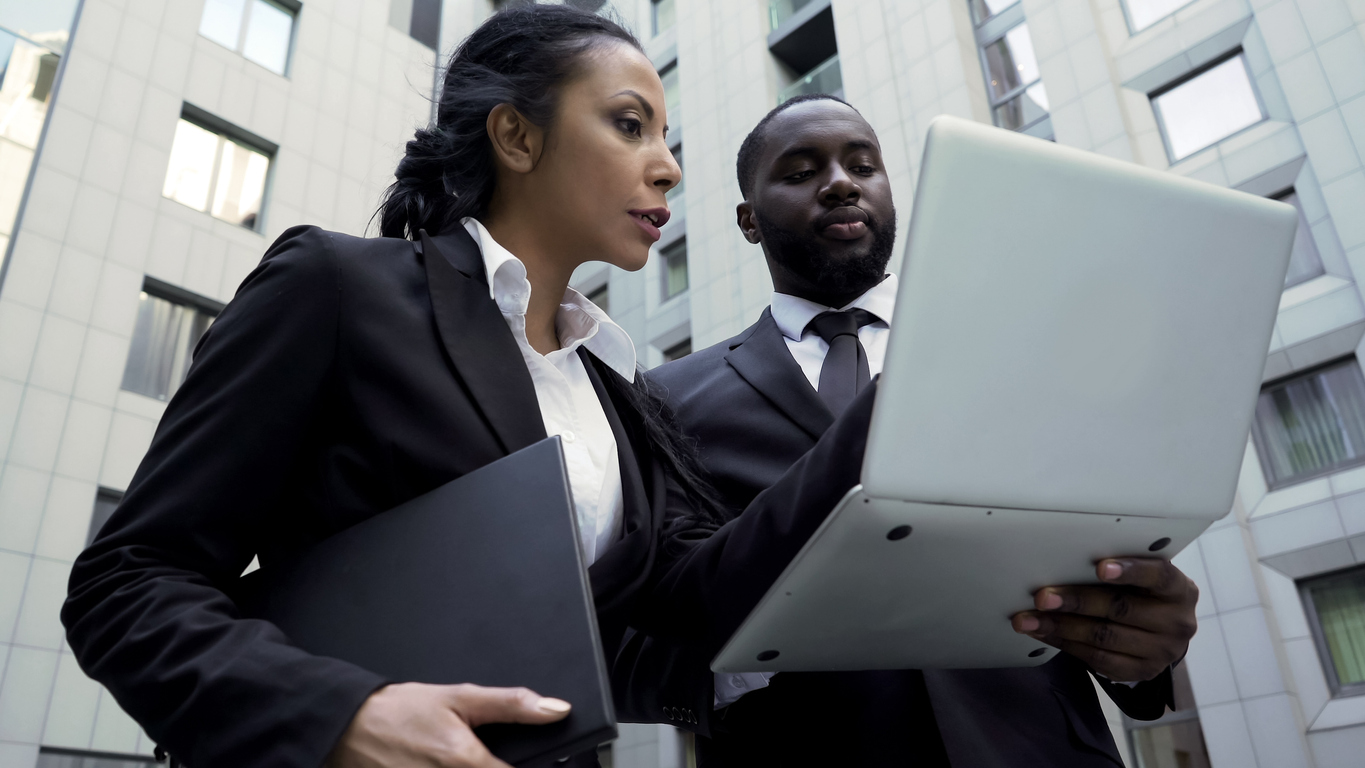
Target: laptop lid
x,y
1073,332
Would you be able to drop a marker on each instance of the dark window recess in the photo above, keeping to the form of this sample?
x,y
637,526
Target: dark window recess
x,y
106,501
51,757
170,321
1304,261
591,6
426,22
675,269
802,34
677,351
601,297
47,74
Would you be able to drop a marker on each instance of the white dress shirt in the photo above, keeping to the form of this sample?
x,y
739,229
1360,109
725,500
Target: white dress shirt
x,y
793,314
568,402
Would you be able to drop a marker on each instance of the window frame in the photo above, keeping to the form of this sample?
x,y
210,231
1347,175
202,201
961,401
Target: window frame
x,y
654,18
1258,440
1307,229
1133,30
293,7
988,33
1193,74
228,132
1310,609
666,254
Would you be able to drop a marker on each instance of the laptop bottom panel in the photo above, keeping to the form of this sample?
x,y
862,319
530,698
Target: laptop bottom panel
x,y
902,585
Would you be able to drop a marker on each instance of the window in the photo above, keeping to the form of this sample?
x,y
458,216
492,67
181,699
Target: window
x,y
827,77
985,10
1304,261
1176,738
663,15
1144,13
49,757
106,501
261,30
419,19
672,92
169,323
601,297
675,268
1311,423
1336,610
678,351
217,172
1205,109
676,191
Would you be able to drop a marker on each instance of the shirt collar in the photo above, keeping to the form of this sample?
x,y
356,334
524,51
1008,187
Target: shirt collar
x,y
793,313
580,322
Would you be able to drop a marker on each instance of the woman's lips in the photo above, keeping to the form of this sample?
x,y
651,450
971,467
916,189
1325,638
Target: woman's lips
x,y
650,220
649,229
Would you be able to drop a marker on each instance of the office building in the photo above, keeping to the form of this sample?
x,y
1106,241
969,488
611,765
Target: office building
x,y
151,149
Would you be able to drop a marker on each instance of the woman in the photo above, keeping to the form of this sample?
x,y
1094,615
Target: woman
x,y
350,375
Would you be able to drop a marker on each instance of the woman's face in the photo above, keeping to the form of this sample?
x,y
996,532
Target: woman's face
x,y
606,164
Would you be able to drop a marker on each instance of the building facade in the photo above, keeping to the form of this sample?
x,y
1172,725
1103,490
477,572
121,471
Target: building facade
x,y
151,149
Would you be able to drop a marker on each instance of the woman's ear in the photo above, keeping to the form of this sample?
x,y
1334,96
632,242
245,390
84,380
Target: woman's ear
x,y
517,142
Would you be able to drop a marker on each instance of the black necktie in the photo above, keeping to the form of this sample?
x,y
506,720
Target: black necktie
x,y
845,371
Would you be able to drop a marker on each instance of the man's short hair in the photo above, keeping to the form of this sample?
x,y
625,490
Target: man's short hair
x,y
746,165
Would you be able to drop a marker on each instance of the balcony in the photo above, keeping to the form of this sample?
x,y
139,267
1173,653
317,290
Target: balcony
x,y
802,33
825,78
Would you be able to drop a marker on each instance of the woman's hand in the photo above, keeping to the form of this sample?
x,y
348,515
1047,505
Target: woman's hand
x,y
411,724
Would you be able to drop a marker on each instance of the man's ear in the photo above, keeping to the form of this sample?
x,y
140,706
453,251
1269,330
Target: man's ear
x,y
744,217
517,142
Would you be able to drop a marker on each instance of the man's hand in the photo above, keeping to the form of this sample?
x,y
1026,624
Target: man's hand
x,y
1129,629
431,726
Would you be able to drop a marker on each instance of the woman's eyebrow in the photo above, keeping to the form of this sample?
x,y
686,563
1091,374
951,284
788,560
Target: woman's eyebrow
x,y
644,103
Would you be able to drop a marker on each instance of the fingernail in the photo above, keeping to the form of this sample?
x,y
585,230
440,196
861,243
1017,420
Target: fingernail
x,y
1028,624
1112,570
1051,601
553,706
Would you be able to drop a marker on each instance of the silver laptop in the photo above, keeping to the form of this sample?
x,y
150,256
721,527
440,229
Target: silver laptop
x,y
1077,350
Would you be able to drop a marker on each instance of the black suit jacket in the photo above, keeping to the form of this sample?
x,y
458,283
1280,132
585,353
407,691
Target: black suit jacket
x,y
347,376
759,423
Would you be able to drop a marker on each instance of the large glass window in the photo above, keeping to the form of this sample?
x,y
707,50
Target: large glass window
x,y
674,192
825,78
261,30
1311,423
672,91
1336,610
601,296
71,758
985,10
1175,740
214,172
169,324
1014,83
663,15
1304,262
1144,13
674,258
421,19
106,501
678,351
1207,108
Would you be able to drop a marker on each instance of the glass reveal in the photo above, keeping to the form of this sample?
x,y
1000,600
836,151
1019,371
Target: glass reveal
x,y
1208,108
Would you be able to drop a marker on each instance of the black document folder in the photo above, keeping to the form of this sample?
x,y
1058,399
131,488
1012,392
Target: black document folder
x,y
479,581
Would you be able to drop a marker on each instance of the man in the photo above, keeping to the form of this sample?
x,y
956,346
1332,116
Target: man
x,y
818,201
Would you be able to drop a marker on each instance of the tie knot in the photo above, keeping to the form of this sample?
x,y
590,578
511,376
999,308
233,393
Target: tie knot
x,y
830,325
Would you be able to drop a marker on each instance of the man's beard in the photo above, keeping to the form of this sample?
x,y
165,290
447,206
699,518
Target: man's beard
x,y
802,255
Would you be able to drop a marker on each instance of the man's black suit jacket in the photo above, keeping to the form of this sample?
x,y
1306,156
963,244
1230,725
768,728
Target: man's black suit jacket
x,y
347,376
756,416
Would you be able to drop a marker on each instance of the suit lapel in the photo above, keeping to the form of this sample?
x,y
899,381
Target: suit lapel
x,y
480,345
764,361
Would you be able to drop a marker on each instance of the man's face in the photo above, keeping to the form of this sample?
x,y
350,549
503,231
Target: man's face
x,y
821,204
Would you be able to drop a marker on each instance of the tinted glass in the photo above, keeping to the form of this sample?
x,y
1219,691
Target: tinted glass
x,y
106,501
241,185
1144,13
267,36
672,92
1304,261
163,340
983,10
665,13
1208,108
602,298
1010,62
1311,424
826,78
58,760
1340,605
1178,744
679,350
678,190
193,154
222,21
1023,110
675,269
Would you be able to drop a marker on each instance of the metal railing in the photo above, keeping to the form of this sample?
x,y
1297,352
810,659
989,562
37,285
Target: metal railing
x,y
825,78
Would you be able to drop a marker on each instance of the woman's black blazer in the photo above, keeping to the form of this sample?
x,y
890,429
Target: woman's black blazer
x,y
347,376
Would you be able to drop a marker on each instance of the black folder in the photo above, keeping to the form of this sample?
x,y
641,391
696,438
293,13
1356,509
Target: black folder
x,y
479,581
